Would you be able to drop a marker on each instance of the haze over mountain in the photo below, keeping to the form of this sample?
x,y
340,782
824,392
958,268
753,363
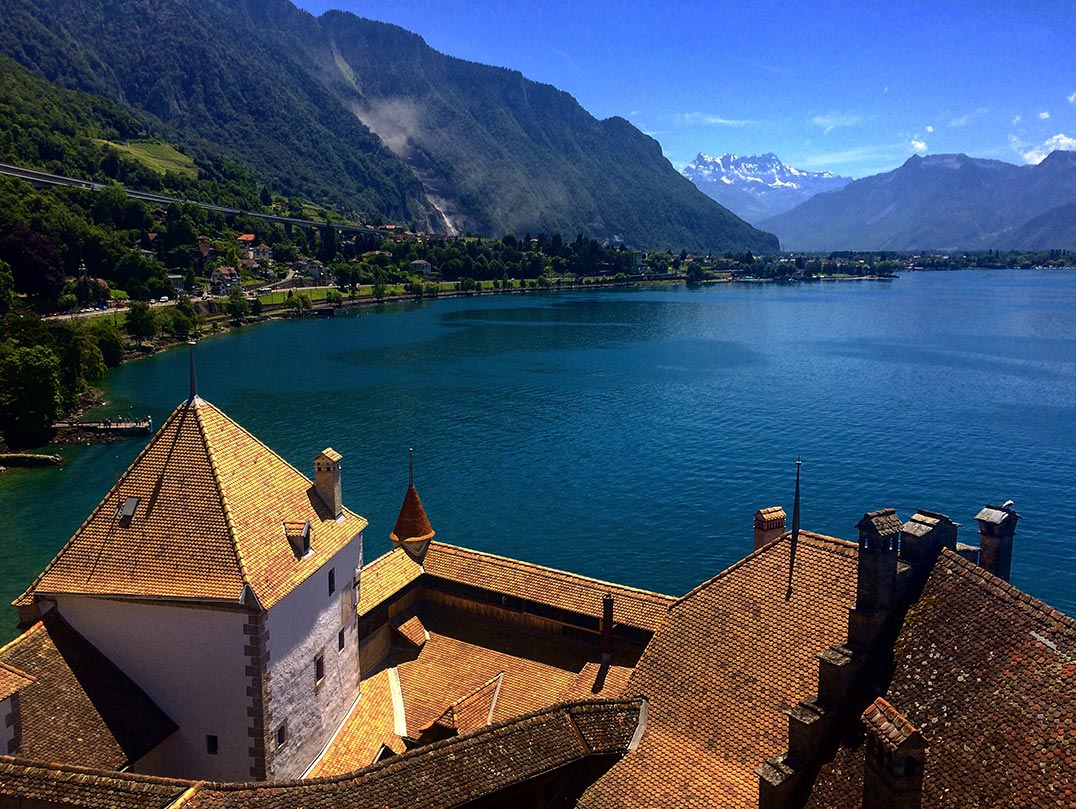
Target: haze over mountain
x,y
757,187
366,116
942,202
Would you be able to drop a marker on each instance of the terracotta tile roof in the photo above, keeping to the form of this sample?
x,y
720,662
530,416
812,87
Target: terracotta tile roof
x,y
469,712
367,728
413,631
39,784
246,237
887,723
733,655
12,681
455,771
107,721
411,523
212,501
988,673
609,681
384,577
556,588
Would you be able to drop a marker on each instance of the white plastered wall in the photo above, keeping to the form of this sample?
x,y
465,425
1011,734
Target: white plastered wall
x,y
302,626
191,664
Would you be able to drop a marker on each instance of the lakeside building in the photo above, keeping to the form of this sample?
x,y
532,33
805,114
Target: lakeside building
x,y
211,637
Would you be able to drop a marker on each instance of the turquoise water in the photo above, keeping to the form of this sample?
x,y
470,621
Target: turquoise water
x,y
631,435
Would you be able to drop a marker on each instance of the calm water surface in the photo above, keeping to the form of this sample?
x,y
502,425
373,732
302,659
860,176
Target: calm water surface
x,y
631,435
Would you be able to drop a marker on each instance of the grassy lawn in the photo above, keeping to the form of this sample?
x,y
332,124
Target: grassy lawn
x,y
158,156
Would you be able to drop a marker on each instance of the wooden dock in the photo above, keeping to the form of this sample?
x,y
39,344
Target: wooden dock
x,y
117,426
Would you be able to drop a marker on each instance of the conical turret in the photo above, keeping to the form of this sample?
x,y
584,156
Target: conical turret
x,y
413,530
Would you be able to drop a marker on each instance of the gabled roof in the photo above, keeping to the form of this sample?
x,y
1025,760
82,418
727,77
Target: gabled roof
x,y
67,785
382,578
80,708
988,674
889,725
208,523
732,656
12,681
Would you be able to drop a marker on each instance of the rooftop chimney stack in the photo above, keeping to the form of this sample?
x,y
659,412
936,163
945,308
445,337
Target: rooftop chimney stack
x,y
769,524
997,527
896,754
876,584
327,480
607,629
923,537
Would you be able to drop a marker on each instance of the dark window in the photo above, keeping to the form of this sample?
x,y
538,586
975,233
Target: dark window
x,y
282,734
319,669
340,641
211,744
332,580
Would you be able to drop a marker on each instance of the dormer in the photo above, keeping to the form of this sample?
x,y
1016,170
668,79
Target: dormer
x,y
298,534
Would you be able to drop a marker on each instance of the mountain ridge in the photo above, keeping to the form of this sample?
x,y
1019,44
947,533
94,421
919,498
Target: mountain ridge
x,y
756,187
366,116
941,202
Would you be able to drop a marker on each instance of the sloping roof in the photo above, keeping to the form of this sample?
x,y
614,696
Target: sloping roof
x,y
733,655
411,523
12,680
456,771
212,503
888,724
80,709
385,576
988,674
67,785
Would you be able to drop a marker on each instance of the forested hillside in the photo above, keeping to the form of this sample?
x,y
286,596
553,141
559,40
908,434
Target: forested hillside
x,y
459,147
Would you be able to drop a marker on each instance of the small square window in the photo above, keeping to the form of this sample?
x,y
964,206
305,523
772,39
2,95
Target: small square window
x,y
332,580
282,734
340,640
319,669
211,744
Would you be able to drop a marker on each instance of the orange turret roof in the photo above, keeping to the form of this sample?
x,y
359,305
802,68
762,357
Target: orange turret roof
x,y
201,515
412,524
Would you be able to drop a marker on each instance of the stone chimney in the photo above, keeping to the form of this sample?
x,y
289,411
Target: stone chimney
x,y
327,480
997,527
876,582
607,628
896,754
769,524
923,537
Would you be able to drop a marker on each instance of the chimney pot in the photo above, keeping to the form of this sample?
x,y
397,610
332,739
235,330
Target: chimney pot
x,y
327,480
997,528
769,524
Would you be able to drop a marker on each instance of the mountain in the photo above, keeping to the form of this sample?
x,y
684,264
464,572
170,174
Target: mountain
x,y
942,202
758,186
367,117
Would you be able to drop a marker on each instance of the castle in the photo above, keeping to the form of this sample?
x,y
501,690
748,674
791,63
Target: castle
x,y
211,636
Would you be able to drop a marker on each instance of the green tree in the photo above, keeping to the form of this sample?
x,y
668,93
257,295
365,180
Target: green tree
x,y
141,321
237,306
30,394
109,341
334,297
7,287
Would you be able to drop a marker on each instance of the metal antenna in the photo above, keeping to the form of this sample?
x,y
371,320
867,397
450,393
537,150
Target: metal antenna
x,y
410,467
194,379
795,531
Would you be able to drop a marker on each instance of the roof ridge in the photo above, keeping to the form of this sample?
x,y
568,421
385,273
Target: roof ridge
x,y
997,586
822,540
118,775
418,752
459,550
225,506
37,626
95,511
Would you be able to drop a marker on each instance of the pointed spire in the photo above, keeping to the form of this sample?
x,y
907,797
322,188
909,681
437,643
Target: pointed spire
x,y
795,532
194,379
412,525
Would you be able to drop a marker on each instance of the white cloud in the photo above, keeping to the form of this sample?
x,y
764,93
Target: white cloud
x,y
1016,119
691,118
1044,116
833,120
966,119
930,129
1072,98
1036,153
918,146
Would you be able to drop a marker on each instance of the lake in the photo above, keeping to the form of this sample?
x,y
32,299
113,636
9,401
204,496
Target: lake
x,y
631,434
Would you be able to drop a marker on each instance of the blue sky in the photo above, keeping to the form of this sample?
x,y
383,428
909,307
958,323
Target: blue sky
x,y
855,88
